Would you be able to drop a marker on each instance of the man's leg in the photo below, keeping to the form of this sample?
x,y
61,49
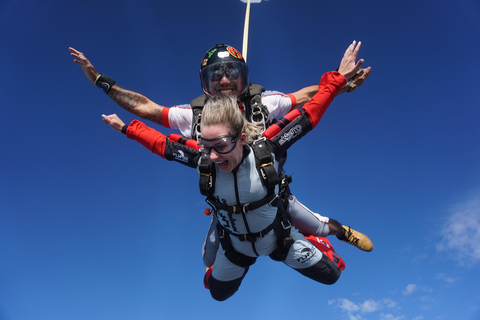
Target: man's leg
x,y
348,235
305,220
310,223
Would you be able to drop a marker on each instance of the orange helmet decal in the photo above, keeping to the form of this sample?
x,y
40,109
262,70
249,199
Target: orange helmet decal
x,y
234,52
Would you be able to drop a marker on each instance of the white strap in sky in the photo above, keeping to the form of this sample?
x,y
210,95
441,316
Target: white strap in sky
x,y
245,32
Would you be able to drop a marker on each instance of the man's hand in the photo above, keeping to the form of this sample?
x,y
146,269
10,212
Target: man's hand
x,y
348,66
358,79
87,67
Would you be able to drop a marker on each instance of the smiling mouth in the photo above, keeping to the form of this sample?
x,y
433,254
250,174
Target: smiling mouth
x,y
226,91
223,164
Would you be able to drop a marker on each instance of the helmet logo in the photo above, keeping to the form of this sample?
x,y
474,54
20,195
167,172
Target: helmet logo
x,y
210,53
222,54
234,52
207,56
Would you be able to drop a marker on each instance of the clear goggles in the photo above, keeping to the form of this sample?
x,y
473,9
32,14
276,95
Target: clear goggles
x,y
221,145
233,70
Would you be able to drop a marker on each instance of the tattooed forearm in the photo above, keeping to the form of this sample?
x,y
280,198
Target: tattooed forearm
x,y
128,100
156,116
137,104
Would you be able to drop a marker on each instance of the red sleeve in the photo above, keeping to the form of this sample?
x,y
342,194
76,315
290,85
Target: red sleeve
x,y
165,112
329,86
148,137
276,127
191,143
294,100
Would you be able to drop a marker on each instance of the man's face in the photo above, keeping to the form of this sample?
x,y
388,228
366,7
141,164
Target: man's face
x,y
225,79
226,87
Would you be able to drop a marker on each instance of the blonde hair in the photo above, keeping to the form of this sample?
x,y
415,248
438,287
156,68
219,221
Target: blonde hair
x,y
225,111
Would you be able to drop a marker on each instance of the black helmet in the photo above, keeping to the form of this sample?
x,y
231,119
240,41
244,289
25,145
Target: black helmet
x,y
223,60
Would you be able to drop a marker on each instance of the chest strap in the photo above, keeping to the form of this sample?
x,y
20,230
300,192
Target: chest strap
x,y
252,237
243,208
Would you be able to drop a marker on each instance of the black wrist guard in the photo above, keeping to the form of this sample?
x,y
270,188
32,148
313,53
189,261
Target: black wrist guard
x,y
124,129
104,83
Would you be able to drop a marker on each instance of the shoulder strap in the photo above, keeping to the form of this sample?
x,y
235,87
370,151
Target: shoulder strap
x,y
265,165
206,169
255,89
254,109
197,105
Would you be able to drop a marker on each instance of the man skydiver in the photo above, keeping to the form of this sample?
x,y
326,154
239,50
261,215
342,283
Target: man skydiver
x,y
224,72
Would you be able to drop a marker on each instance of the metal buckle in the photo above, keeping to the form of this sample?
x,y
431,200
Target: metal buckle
x,y
286,227
210,203
197,127
245,208
273,200
247,237
259,140
256,111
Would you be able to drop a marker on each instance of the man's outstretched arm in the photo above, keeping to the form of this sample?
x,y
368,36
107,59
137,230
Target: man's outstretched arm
x,y
131,101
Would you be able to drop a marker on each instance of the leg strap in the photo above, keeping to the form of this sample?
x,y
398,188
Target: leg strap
x,y
234,256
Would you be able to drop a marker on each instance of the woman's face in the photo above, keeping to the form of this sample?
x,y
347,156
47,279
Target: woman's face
x,y
210,141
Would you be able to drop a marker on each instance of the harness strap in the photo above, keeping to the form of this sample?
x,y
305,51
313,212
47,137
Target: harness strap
x,y
234,256
264,164
197,107
252,237
282,228
206,169
284,240
269,199
254,109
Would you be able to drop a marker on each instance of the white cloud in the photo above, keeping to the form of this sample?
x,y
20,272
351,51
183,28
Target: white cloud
x,y
347,305
411,288
356,310
369,306
446,278
389,316
461,233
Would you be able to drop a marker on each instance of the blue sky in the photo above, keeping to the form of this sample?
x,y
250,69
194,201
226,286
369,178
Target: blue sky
x,y
92,226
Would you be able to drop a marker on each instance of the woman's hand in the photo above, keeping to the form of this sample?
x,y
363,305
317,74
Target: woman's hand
x,y
114,121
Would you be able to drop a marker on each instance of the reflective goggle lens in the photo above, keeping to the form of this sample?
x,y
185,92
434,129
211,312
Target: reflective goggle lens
x,y
231,70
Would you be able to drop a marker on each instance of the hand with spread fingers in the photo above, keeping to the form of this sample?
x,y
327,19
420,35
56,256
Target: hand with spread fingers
x,y
87,67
